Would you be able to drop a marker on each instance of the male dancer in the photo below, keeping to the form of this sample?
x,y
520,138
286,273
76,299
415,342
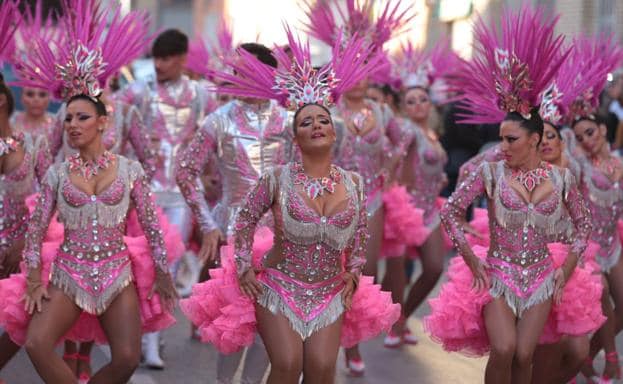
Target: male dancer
x,y
243,138
172,108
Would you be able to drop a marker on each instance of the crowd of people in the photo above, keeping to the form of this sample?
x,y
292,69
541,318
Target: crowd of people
x,y
277,187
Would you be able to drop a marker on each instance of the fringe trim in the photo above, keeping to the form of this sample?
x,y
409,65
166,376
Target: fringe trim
x,y
272,301
518,304
552,224
606,263
598,196
95,305
107,215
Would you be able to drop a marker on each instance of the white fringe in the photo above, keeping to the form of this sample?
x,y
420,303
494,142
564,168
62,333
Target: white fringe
x,y
518,304
272,301
95,305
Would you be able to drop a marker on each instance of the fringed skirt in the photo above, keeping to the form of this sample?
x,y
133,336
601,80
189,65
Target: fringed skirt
x,y
226,318
457,322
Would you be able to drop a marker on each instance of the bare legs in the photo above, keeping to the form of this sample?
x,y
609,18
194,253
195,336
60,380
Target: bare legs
x,y
375,228
395,281
605,336
560,362
121,323
513,341
431,254
45,329
8,349
290,356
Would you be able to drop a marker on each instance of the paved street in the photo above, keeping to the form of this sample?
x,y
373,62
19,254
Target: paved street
x,y
190,362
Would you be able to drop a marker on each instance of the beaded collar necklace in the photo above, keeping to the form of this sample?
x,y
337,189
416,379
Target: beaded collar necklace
x,y
315,186
90,168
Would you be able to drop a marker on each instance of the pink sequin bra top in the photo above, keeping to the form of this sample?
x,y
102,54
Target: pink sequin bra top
x,y
92,265
605,201
303,272
521,270
17,184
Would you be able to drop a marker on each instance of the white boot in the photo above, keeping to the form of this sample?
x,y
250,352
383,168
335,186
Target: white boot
x,y
151,351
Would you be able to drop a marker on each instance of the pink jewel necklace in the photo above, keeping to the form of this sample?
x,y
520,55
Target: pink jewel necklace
x,y
608,165
88,169
532,178
9,144
313,186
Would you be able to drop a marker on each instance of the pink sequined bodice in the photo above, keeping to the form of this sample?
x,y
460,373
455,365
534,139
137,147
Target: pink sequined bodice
x,y
16,185
520,231
366,154
605,201
425,176
311,250
172,112
93,263
45,128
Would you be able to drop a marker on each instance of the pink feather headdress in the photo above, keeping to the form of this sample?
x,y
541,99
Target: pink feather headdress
x,y
204,59
9,22
97,44
358,19
296,82
198,57
592,59
35,26
422,68
510,69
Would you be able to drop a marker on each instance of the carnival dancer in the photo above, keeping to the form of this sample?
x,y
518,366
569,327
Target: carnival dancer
x,y
35,118
306,285
600,185
422,174
172,108
241,140
518,288
369,140
24,159
555,359
91,274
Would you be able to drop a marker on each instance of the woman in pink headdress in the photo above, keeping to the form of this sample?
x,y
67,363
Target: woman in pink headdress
x,y
305,295
24,159
369,139
422,174
87,287
602,174
504,299
34,119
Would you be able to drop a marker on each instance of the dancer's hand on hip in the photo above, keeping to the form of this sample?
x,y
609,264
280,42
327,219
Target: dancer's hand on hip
x,y
35,294
250,286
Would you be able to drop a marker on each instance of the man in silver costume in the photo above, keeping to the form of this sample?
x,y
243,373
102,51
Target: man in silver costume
x,y
172,108
244,138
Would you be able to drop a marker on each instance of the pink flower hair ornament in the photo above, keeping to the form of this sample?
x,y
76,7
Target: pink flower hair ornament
x,y
97,44
295,82
510,69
